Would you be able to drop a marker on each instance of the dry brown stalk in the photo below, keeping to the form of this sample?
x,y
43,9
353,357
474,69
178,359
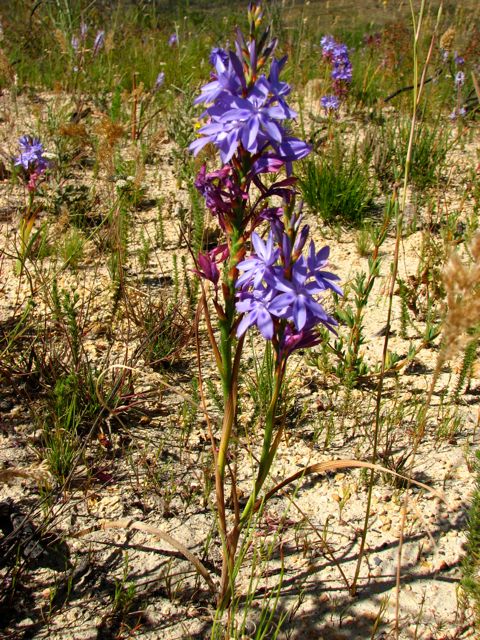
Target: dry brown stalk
x,y
158,533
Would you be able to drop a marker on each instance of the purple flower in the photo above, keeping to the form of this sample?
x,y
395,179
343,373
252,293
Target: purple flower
x,y
217,52
328,44
459,60
251,121
159,81
279,90
292,340
342,71
83,31
98,42
75,43
220,252
316,263
291,149
461,112
279,283
267,163
250,116
340,53
228,78
173,40
255,306
273,215
31,160
330,103
207,268
459,79
258,266
337,54
31,155
295,301
221,193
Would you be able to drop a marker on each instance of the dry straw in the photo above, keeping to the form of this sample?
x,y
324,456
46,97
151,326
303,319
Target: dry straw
x,y
462,284
447,40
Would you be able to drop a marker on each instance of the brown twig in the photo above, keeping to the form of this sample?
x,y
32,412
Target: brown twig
x,y
166,537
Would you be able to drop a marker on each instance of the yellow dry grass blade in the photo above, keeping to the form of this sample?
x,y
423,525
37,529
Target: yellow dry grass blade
x,y
332,465
476,85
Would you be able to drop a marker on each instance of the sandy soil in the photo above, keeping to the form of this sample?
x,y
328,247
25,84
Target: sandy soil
x,y
154,471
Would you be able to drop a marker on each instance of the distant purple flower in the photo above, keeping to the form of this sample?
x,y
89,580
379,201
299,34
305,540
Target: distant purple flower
x,y
31,154
461,112
340,52
342,71
330,103
31,160
159,81
83,31
459,60
75,43
99,42
336,53
328,45
173,40
459,79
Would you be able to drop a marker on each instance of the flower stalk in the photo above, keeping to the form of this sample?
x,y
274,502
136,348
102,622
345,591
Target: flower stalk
x,y
31,166
258,276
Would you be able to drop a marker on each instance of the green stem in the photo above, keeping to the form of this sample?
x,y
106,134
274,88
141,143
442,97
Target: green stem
x,y
229,372
268,450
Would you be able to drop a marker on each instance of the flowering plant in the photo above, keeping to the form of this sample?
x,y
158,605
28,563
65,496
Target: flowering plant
x,y
83,52
336,54
257,276
32,166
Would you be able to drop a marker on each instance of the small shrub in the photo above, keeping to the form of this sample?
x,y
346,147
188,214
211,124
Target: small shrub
x,y
337,185
72,248
75,202
388,149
